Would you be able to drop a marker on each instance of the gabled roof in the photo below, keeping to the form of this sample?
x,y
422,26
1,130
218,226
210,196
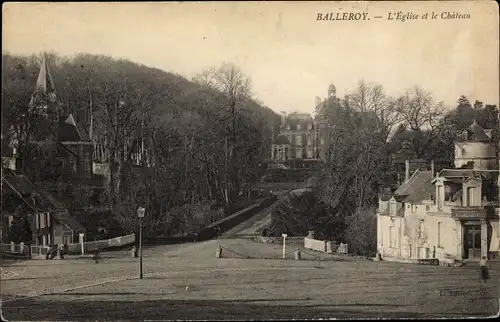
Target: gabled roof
x,y
419,187
476,133
70,131
65,219
31,195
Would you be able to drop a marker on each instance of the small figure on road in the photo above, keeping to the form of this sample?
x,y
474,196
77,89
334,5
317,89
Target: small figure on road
x,y
96,256
217,232
485,275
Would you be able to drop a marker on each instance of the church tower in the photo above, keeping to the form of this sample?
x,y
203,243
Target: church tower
x,y
44,99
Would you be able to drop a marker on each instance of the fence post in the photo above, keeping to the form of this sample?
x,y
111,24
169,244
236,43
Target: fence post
x,y
81,243
29,251
12,247
21,246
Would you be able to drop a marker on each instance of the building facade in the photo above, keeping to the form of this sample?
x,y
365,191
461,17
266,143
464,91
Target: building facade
x,y
301,136
450,215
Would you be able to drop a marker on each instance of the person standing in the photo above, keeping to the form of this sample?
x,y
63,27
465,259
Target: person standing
x,y
484,269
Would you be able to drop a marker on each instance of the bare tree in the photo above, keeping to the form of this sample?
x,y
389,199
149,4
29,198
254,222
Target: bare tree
x,y
421,114
372,99
236,90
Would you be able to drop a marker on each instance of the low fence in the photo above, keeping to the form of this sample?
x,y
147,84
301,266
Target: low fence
x,y
325,246
76,248
15,251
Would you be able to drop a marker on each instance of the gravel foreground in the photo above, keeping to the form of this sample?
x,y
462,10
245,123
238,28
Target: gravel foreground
x,y
188,282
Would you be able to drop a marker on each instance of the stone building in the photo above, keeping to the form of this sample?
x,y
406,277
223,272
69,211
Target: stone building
x,y
302,137
449,215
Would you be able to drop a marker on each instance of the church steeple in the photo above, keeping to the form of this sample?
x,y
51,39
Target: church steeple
x,y
44,98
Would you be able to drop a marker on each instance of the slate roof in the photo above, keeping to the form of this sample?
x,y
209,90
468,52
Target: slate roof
x,y
20,185
37,199
69,130
281,139
385,194
65,219
419,187
295,119
476,133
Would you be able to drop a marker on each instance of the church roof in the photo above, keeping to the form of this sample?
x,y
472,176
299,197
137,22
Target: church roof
x,y
44,82
69,130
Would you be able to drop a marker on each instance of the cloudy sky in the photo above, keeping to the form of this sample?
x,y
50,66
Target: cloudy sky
x,y
289,55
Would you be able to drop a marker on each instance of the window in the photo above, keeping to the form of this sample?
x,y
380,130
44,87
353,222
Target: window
x,y
11,220
298,140
440,197
420,229
72,164
392,237
471,196
439,234
47,219
393,208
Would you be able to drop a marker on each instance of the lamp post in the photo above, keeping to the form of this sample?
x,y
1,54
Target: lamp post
x,y
140,214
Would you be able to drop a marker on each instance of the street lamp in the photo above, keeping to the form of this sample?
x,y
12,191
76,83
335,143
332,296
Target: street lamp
x,y
140,214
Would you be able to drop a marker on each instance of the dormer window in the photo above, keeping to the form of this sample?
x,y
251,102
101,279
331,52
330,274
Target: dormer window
x,y
393,208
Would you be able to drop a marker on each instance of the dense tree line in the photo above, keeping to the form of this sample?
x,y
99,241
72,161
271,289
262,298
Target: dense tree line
x,y
204,140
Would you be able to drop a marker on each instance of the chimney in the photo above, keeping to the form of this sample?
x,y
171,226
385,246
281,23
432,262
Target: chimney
x,y
407,170
432,167
318,101
283,118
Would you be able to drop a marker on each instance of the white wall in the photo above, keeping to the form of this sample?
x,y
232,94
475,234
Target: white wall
x,y
412,242
483,154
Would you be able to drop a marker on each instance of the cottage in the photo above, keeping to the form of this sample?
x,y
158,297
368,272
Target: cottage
x,y
48,220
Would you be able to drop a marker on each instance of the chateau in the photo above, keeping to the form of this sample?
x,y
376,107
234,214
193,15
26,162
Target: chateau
x,y
449,215
301,136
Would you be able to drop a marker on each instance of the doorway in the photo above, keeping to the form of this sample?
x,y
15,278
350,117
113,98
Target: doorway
x,y
472,240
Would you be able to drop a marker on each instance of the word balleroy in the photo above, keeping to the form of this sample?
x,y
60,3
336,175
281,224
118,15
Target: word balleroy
x,y
342,16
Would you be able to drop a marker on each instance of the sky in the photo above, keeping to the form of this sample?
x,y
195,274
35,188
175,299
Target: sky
x,y
290,56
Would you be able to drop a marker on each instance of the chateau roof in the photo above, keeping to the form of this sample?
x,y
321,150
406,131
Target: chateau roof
x,y
419,187
295,119
281,139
